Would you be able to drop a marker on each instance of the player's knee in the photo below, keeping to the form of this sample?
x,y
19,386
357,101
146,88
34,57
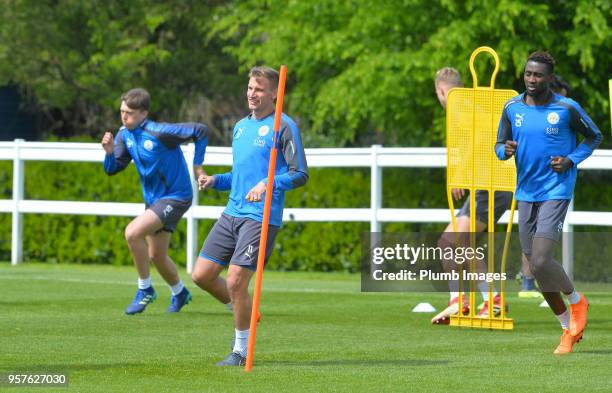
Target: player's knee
x,y
131,234
236,284
204,278
157,256
199,277
537,264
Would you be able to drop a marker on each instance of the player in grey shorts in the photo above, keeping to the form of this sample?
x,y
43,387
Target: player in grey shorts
x,y
235,238
155,150
539,130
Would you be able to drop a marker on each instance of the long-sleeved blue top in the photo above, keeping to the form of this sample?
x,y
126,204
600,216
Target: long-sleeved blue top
x,y
155,149
251,146
542,132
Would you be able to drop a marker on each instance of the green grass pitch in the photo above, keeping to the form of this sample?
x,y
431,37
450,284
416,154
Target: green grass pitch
x,y
318,334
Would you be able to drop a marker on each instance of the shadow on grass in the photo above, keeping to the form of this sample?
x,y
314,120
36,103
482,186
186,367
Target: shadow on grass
x,y
594,323
68,368
355,362
229,314
60,301
597,351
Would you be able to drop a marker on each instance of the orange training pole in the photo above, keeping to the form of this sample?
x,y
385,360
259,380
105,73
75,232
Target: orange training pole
x,y
266,218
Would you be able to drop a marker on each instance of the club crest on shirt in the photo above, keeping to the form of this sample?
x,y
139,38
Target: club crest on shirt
x,y
263,130
518,119
148,145
553,118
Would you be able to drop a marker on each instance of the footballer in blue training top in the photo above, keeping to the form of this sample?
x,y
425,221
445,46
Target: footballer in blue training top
x,y
234,239
166,188
539,128
543,132
251,146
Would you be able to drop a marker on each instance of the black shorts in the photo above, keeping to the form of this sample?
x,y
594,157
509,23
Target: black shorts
x,y
235,240
541,219
170,211
502,202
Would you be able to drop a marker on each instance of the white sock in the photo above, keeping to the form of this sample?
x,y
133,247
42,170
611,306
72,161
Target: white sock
x,y
229,307
144,283
564,320
242,340
177,288
573,297
483,287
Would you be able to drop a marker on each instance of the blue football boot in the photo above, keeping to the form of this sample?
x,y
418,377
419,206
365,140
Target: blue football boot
x,y
142,299
179,301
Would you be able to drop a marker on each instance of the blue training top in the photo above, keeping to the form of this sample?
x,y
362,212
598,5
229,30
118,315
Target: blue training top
x,y
542,132
252,142
155,149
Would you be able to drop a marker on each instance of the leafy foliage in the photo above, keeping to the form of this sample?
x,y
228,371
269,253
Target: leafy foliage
x,y
75,58
362,71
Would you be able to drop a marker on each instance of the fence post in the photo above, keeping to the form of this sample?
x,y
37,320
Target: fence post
x,y
192,222
568,243
17,225
375,189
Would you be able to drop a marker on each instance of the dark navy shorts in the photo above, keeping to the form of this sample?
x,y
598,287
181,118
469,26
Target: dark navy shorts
x,y
502,201
235,240
541,219
170,211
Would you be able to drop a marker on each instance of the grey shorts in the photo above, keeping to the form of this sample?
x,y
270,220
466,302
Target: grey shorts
x,y
541,219
235,240
170,212
502,201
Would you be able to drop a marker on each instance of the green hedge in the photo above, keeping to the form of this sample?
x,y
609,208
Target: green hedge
x,y
300,246
99,239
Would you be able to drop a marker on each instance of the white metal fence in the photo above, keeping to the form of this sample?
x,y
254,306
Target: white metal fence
x,y
376,158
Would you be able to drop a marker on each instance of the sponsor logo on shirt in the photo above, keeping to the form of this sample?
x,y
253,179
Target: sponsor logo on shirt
x,y
260,142
148,145
263,130
552,130
518,119
129,143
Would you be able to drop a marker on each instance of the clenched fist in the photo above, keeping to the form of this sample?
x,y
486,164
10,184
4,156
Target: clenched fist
x,y
108,143
205,181
256,193
560,164
510,148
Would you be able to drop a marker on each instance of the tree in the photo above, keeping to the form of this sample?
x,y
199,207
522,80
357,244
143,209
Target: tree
x,y
362,71
75,58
